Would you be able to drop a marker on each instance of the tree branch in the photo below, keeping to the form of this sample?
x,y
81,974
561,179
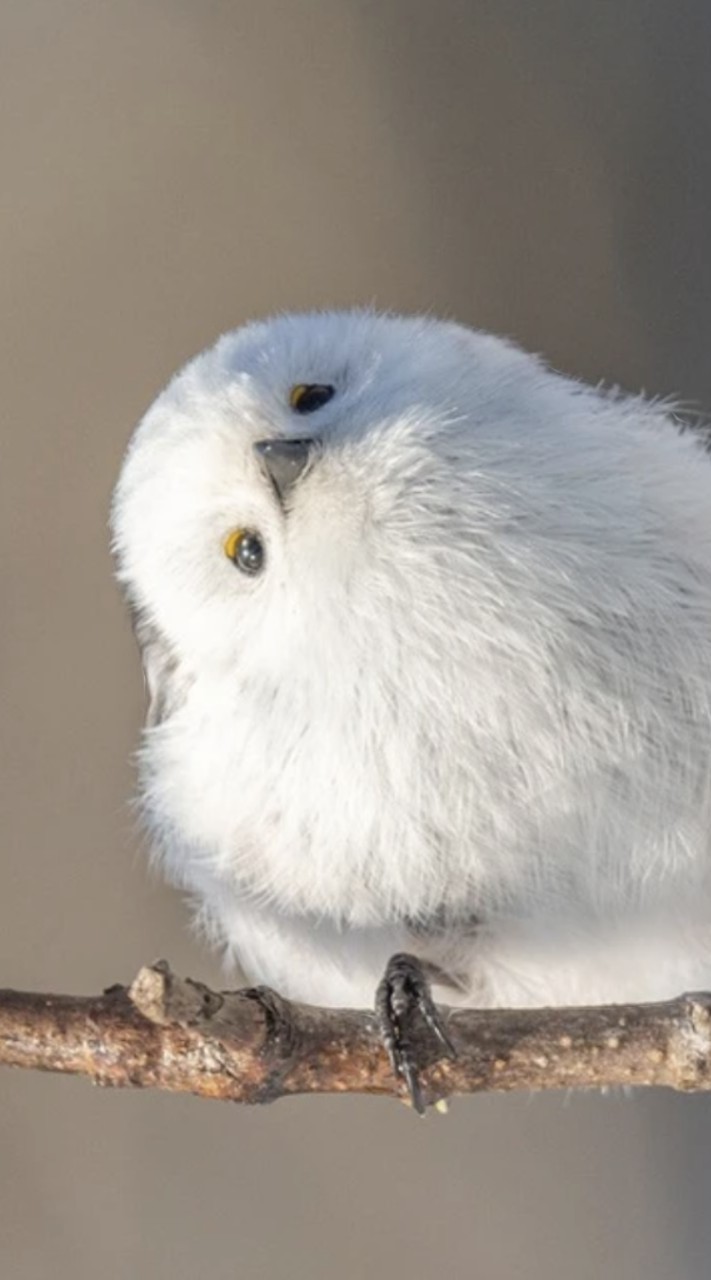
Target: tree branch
x,y
253,1046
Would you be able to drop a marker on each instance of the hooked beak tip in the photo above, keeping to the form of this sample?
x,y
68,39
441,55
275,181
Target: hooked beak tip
x,y
285,462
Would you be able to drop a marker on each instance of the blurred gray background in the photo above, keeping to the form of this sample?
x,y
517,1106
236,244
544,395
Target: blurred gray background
x,y
168,170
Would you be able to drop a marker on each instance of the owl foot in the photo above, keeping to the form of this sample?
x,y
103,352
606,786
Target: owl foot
x,y
404,993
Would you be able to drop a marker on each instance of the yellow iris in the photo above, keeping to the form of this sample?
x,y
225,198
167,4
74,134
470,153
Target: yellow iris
x,y
297,393
232,541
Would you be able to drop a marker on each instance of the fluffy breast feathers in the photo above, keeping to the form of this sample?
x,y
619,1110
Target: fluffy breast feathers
x,y
474,670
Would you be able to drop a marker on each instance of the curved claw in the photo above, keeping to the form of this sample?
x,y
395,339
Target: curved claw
x,y
403,991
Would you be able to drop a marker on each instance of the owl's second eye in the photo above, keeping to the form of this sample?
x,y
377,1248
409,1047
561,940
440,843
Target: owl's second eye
x,y
307,397
245,549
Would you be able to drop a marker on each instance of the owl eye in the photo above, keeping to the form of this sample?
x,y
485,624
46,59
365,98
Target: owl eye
x,y
245,549
306,397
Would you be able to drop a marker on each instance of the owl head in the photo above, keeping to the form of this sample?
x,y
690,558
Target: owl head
x,y
309,477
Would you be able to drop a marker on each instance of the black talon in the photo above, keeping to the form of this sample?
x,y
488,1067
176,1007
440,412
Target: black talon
x,y
404,990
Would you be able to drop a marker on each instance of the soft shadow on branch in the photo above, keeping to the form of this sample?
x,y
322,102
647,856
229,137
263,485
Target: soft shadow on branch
x,y
252,1046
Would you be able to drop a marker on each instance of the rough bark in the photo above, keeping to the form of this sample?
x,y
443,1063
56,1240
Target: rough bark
x,y
252,1046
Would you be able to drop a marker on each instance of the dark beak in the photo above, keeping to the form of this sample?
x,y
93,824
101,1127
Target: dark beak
x,y
285,461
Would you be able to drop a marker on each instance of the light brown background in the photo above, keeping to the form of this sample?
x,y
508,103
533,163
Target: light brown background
x,y
167,170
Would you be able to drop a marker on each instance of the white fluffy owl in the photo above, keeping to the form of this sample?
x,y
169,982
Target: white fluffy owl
x,y
427,633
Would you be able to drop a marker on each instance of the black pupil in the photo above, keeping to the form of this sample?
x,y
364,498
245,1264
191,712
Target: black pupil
x,y
313,397
249,555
